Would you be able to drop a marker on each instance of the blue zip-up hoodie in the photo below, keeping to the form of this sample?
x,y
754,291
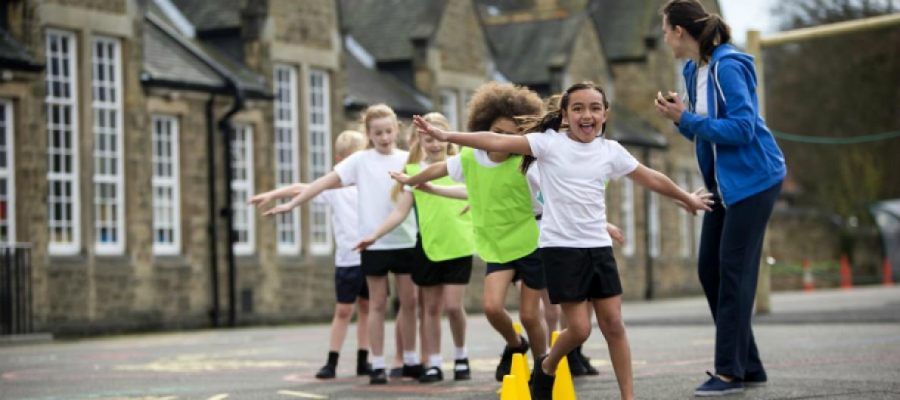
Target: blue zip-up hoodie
x,y
737,154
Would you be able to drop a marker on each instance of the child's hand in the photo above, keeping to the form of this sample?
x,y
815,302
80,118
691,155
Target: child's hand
x,y
700,200
364,244
464,210
426,187
615,233
284,208
425,128
399,177
670,110
260,200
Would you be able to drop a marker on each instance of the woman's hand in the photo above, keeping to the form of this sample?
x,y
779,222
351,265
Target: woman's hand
x,y
670,110
364,243
425,128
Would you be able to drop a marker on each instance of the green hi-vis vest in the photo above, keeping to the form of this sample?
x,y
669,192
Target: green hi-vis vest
x,y
445,234
502,215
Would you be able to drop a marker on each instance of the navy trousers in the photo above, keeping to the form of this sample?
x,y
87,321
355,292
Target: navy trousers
x,y
730,248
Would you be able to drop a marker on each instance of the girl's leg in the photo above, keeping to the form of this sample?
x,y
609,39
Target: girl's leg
x,y
339,325
406,291
432,298
551,315
398,342
377,306
577,332
362,324
530,314
456,313
495,286
609,317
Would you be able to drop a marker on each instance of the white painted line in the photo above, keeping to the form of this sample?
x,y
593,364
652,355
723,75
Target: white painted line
x,y
302,394
222,396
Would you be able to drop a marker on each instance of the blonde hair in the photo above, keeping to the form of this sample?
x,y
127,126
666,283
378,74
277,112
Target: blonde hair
x,y
377,111
349,142
416,153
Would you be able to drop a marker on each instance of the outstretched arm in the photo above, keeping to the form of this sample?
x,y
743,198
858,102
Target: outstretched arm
x,y
286,191
434,171
488,141
661,184
458,192
394,219
330,180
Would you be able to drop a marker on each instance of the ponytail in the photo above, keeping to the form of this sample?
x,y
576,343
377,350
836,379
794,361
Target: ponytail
x,y
709,30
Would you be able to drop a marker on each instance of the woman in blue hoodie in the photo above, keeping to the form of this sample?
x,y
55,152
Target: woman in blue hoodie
x,y
741,165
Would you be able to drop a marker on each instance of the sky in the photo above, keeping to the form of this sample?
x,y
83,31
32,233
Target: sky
x,y
743,15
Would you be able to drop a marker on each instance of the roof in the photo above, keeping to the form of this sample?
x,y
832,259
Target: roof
x,y
525,51
386,28
630,129
367,86
13,54
211,14
507,5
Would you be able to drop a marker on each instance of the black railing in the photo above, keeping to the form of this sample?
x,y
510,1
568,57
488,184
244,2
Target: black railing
x,y
15,289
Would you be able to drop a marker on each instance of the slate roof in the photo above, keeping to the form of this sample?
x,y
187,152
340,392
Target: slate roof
x,y
628,128
366,86
385,28
14,55
211,14
525,51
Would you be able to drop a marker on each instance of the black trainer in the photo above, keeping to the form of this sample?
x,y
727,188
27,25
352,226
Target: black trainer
x,y
461,370
506,359
576,364
541,383
413,371
363,369
431,375
378,377
589,369
327,372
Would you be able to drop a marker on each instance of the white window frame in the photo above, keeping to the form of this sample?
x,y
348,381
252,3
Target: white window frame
x,y
653,225
239,203
684,219
450,107
9,172
628,216
287,172
166,182
67,61
321,241
112,84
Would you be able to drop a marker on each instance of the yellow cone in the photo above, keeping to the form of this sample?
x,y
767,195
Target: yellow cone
x,y
553,338
517,327
510,391
518,369
563,387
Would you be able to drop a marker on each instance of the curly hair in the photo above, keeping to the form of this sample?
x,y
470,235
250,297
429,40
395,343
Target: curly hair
x,y
495,100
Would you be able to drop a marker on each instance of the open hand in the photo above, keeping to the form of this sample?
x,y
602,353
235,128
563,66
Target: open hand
x,y
260,200
284,208
364,244
424,128
701,200
669,110
400,177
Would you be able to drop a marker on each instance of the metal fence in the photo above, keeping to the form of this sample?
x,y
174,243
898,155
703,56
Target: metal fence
x,y
15,289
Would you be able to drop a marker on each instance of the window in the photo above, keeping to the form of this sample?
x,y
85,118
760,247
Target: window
x,y
287,162
319,128
628,215
241,188
450,108
109,185
63,219
653,225
684,219
7,175
166,193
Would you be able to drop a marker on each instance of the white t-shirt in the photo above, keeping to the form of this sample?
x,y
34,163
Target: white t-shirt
x,y
455,171
345,222
573,177
368,170
702,107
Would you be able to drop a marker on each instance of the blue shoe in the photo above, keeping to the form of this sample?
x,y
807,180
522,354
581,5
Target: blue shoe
x,y
756,379
717,387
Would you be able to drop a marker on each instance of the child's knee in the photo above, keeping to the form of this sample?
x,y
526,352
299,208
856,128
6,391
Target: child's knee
x,y
493,307
612,326
344,311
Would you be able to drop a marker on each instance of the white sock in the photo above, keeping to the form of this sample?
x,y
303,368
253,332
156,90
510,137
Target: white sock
x,y
410,358
462,352
377,362
436,360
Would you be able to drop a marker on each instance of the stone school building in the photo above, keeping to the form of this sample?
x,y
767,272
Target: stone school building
x,y
132,133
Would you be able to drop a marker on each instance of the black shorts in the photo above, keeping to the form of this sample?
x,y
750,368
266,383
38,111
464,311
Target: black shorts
x,y
576,275
530,269
455,271
350,284
380,262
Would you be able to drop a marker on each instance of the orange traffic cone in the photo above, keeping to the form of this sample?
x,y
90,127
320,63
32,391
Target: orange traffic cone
x,y
888,273
846,277
809,284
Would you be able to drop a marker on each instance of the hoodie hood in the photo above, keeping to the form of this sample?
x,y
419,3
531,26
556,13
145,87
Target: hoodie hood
x,y
728,51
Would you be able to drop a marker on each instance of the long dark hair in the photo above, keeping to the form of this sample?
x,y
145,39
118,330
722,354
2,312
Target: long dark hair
x,y
553,119
709,30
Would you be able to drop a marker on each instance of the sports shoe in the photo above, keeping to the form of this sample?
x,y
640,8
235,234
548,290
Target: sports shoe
x,y
541,383
413,371
378,377
327,372
461,370
432,375
506,359
756,379
588,368
717,387
576,364
363,369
